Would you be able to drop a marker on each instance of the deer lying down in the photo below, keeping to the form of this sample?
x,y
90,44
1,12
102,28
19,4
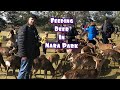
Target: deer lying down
x,y
87,49
81,74
85,59
115,55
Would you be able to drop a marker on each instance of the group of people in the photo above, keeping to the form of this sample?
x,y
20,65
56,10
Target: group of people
x,y
90,28
107,29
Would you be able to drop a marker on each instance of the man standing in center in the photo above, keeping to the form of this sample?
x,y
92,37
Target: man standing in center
x,y
28,47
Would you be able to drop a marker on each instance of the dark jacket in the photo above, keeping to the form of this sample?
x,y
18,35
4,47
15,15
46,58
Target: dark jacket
x,y
72,33
108,29
28,42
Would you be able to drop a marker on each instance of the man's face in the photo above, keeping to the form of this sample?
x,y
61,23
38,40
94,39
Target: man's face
x,y
31,21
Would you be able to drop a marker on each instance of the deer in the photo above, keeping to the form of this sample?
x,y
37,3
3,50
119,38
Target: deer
x,y
102,46
115,55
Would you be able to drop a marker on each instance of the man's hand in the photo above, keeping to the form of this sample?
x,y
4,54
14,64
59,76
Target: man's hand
x,y
24,58
94,38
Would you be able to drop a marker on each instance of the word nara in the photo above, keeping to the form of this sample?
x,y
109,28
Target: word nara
x,y
57,45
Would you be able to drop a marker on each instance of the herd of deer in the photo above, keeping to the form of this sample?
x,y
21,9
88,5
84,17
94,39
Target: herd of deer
x,y
85,62
88,60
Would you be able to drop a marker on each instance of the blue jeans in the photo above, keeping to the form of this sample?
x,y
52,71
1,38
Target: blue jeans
x,y
25,69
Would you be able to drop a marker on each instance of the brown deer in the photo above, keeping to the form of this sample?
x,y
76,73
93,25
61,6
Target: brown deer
x,y
115,55
102,46
42,63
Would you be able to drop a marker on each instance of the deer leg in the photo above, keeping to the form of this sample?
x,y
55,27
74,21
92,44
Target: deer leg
x,y
56,62
3,63
118,63
36,70
117,35
1,67
31,73
113,59
40,71
55,74
45,74
7,71
14,72
114,63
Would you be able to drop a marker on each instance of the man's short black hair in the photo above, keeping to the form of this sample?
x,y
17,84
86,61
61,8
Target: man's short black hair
x,y
106,18
33,16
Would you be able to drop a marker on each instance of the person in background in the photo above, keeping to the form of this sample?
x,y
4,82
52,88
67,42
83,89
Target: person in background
x,y
92,33
12,36
116,30
11,40
72,33
44,39
107,29
82,26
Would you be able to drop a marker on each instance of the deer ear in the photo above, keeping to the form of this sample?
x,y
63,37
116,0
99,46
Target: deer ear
x,y
64,77
97,54
100,38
